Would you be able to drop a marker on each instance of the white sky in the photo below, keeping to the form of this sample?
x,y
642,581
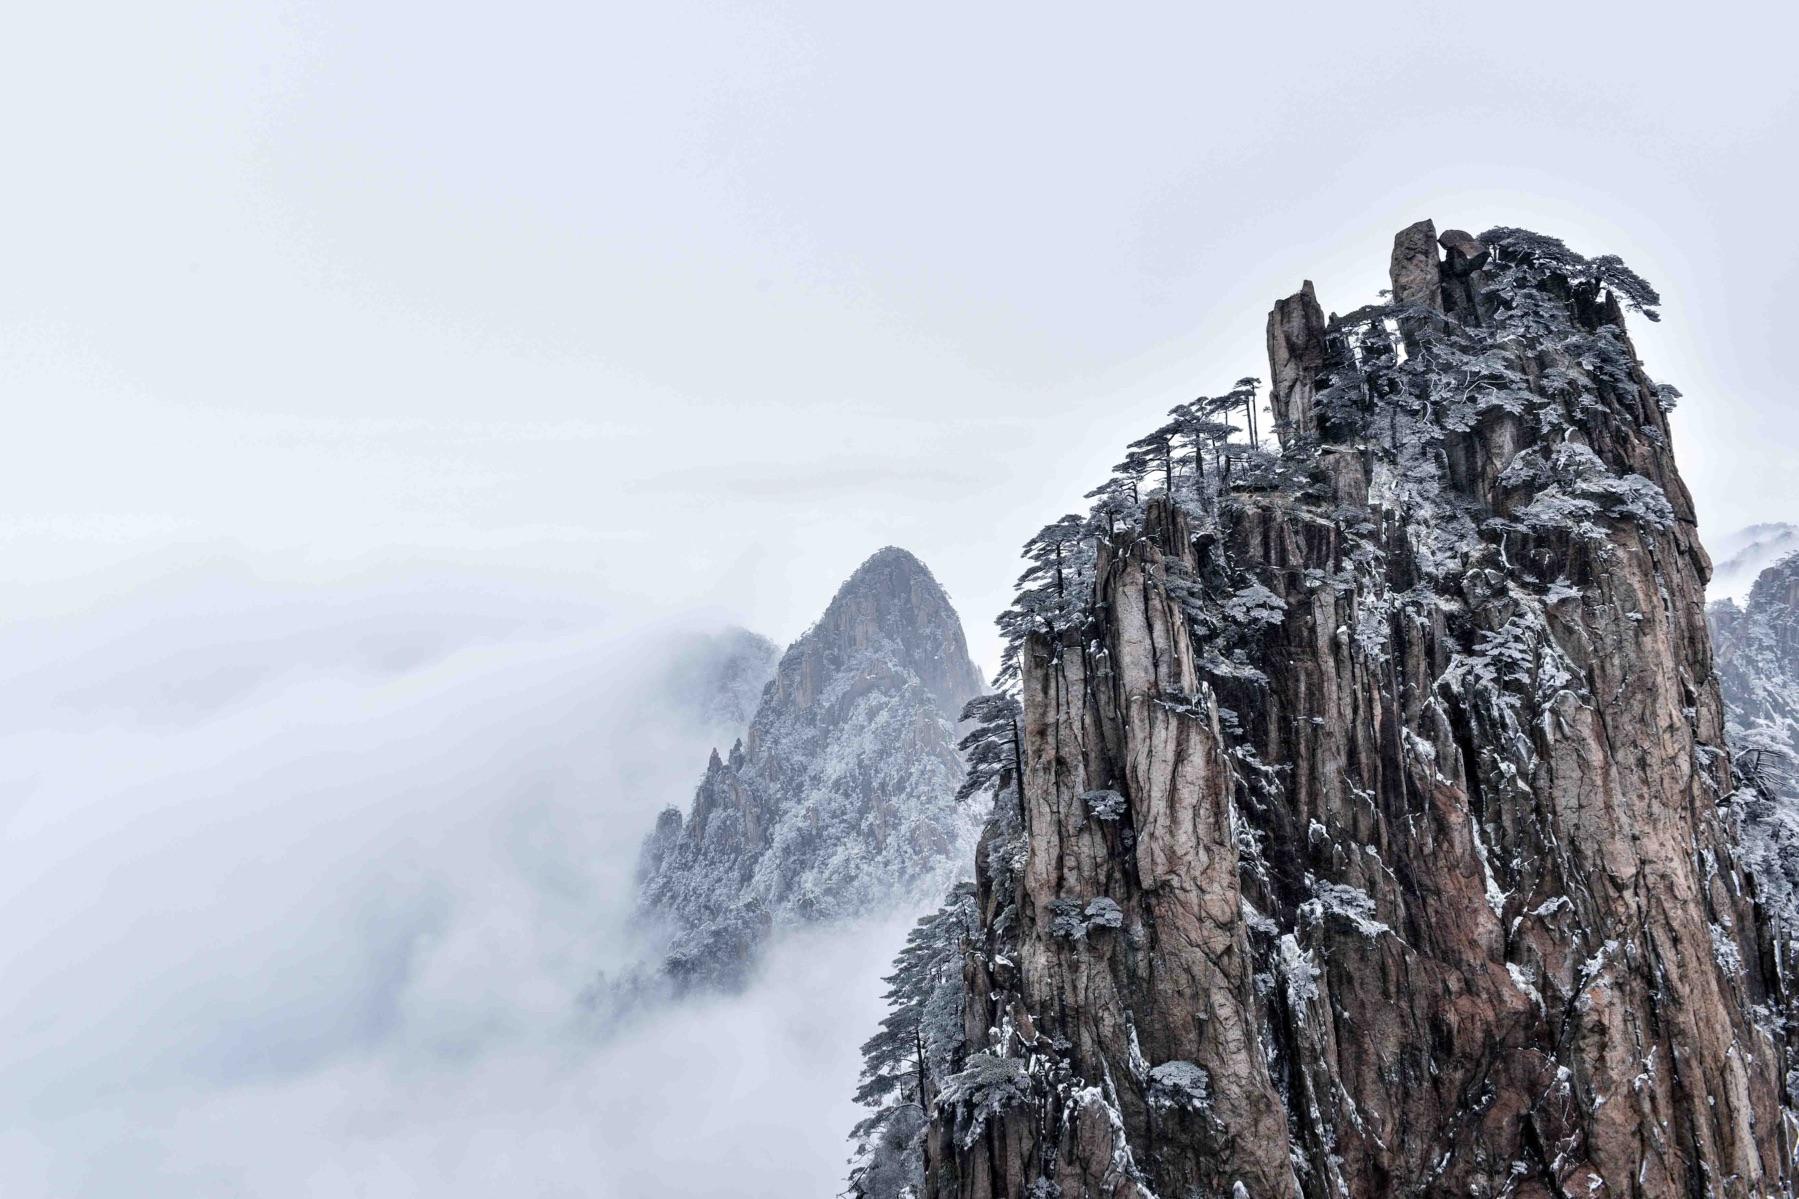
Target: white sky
x,y
700,303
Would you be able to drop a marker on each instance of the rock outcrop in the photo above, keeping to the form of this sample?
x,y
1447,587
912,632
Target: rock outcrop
x,y
840,800
1372,833
1758,651
1757,648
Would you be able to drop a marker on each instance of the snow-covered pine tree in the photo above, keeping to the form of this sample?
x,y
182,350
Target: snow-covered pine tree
x,y
918,1047
991,747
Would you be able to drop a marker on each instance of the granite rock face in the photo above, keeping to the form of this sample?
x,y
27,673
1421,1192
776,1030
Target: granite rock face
x,y
1296,360
1757,647
1424,876
840,800
1416,269
1463,253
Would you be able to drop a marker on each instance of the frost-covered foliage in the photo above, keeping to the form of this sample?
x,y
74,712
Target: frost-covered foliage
x,y
1756,649
1104,913
1104,805
1534,356
991,747
1066,920
1572,488
1071,920
1254,604
1297,970
1052,591
1546,257
1473,461
919,1046
1350,904
841,800
1193,459
986,1086
1180,1084
1510,680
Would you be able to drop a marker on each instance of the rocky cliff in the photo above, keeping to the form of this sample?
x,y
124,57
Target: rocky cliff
x,y
841,799
1757,648
1370,827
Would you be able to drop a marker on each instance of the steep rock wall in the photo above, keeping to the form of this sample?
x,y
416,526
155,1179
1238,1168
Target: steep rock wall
x,y
1420,877
1757,646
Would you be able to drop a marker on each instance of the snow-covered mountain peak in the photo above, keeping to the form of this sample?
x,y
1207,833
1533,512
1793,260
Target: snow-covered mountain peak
x,y
890,618
841,799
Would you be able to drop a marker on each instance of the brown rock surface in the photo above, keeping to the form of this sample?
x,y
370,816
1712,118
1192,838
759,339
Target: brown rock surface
x,y
1425,882
1463,252
1296,358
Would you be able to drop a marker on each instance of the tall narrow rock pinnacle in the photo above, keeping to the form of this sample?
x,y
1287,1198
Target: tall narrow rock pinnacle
x,y
1372,829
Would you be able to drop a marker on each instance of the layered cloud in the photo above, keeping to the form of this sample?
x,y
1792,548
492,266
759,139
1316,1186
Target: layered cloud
x,y
301,891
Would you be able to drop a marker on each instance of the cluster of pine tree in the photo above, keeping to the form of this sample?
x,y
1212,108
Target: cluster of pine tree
x,y
1400,382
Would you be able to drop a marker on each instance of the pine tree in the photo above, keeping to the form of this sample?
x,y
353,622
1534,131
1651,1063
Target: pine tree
x,y
993,748
918,1045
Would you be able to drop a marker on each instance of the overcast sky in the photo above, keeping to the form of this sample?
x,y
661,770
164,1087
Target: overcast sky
x,y
390,389
700,303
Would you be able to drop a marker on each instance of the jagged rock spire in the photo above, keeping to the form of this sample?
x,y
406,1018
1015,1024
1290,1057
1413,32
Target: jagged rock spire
x,y
1374,834
841,799
1296,357
892,600
1415,270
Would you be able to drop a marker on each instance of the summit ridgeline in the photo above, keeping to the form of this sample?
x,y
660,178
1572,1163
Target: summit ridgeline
x,y
1363,823
840,801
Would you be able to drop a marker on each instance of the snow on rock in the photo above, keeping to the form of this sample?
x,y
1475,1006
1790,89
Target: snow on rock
x,y
840,799
1425,859
1756,647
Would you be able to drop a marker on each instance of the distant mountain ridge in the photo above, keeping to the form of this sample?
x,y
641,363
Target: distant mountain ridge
x,y
1740,557
1755,646
841,798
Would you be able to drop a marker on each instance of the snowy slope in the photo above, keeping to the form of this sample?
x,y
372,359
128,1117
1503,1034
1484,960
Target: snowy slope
x,y
840,802
1756,648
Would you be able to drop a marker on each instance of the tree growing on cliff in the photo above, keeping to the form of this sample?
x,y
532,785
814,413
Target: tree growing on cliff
x,y
1054,553
1200,434
1243,394
1424,561
1116,502
1545,256
1053,590
919,1045
1156,450
993,748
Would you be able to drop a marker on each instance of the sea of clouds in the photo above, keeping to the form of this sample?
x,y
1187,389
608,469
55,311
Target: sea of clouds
x,y
304,891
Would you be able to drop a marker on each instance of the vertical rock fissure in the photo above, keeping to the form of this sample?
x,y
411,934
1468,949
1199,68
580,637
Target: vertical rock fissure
x,y
1421,883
